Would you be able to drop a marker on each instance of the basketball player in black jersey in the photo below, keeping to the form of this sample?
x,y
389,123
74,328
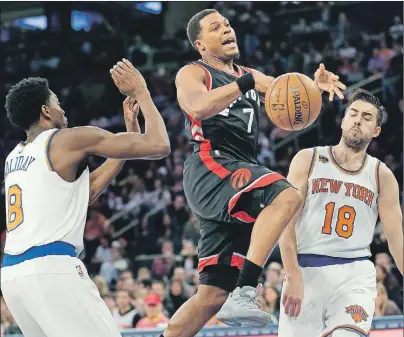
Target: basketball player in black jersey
x,y
231,196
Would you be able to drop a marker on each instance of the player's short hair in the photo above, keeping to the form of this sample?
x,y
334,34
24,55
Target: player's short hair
x,y
25,99
364,95
194,24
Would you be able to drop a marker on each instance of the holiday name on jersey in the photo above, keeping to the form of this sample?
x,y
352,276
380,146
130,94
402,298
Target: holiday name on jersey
x,y
20,163
324,185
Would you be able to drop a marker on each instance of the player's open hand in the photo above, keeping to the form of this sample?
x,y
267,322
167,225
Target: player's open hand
x,y
128,79
293,295
329,82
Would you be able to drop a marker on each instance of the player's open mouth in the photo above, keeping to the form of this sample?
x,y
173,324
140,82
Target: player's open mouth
x,y
230,42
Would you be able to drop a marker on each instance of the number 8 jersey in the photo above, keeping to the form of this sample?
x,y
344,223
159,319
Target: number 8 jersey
x,y
340,210
41,207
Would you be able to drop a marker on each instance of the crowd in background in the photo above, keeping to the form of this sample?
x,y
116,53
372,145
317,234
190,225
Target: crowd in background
x,y
140,237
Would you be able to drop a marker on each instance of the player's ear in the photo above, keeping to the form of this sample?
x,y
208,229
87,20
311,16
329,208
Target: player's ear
x,y
45,111
377,131
198,45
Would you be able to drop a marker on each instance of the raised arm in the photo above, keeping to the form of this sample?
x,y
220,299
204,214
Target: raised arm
x,y
298,176
103,175
70,146
390,213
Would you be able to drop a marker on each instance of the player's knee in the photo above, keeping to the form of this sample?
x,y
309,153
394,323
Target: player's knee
x,y
211,299
345,333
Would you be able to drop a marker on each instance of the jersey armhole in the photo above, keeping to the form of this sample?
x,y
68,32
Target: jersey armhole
x,y
47,147
313,161
208,75
377,170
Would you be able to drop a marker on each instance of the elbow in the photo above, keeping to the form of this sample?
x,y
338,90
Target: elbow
x,y
162,150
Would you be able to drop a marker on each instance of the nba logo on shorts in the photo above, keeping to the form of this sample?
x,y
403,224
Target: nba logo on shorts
x,y
80,271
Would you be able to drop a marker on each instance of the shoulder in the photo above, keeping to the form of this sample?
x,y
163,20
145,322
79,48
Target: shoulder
x,y
306,155
190,70
385,175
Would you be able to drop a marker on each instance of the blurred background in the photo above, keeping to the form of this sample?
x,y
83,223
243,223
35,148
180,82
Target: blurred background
x,y
140,237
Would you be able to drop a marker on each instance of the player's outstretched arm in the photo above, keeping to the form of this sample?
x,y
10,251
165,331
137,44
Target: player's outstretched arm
x,y
102,176
293,293
390,214
199,102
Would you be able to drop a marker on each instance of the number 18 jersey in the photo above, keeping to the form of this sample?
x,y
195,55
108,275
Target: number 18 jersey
x,y
41,207
340,210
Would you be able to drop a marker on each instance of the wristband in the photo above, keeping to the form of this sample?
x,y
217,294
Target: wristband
x,y
246,83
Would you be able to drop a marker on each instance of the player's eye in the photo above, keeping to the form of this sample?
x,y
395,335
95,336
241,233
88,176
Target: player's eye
x,y
215,28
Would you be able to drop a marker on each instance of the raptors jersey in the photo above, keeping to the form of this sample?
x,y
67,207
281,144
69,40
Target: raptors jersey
x,y
340,211
41,207
233,131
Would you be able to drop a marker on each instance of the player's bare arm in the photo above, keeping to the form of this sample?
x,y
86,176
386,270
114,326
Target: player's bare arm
x,y
390,214
293,295
102,176
77,143
194,97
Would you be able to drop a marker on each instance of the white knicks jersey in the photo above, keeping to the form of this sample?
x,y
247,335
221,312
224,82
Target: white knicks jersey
x,y
340,210
41,207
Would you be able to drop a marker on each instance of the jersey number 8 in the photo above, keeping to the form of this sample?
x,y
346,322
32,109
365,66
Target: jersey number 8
x,y
345,220
15,215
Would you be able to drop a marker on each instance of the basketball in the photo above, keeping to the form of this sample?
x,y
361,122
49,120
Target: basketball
x,y
293,101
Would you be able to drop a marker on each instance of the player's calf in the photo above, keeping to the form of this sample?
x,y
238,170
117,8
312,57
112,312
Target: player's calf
x,y
190,318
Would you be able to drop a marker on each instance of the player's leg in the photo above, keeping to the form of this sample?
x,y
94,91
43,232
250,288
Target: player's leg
x,y
352,305
16,304
310,320
67,303
279,201
215,283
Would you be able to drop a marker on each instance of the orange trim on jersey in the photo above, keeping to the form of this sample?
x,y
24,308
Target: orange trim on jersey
x,y
313,161
47,146
377,170
364,162
346,326
238,69
262,181
208,83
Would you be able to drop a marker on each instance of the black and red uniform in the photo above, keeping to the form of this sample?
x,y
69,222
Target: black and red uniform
x,y
225,187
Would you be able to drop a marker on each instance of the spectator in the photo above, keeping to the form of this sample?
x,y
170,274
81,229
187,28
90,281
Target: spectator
x,y
155,317
397,30
179,275
385,306
101,285
176,296
125,314
161,266
270,301
273,276
96,226
158,287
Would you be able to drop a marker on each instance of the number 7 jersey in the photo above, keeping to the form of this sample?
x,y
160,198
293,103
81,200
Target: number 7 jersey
x,y
340,210
41,207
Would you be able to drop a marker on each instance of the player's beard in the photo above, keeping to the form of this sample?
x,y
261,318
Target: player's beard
x,y
356,143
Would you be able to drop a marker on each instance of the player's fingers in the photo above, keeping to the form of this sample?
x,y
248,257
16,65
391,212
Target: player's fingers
x,y
136,107
118,69
334,77
341,85
297,309
123,66
321,68
339,93
291,308
331,92
127,101
128,63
